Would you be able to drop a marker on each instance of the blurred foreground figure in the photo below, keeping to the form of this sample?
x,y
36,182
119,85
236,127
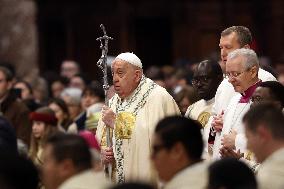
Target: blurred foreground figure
x,y
176,153
17,172
68,164
229,173
264,128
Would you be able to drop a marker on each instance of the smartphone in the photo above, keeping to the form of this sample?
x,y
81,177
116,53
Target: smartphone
x,y
17,92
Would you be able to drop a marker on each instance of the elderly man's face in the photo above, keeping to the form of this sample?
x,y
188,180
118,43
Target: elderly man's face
x,y
125,78
238,76
228,44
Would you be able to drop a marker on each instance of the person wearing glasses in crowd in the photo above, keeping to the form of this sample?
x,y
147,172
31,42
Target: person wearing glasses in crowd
x,y
269,91
176,153
242,71
206,79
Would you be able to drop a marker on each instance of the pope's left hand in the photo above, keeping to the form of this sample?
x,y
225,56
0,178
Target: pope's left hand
x,y
228,140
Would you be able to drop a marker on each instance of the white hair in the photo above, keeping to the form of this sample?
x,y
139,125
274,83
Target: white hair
x,y
249,55
74,93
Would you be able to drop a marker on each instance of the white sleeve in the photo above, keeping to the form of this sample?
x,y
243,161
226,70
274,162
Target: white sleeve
x,y
241,142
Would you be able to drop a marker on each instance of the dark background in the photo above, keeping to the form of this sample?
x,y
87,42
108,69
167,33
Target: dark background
x,y
159,32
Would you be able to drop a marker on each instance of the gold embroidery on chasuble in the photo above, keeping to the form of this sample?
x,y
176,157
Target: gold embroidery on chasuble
x,y
124,125
203,118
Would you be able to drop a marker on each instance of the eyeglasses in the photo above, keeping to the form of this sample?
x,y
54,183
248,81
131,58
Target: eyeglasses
x,y
234,74
201,79
256,99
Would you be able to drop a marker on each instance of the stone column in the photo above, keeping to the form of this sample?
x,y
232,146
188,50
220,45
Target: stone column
x,y
18,36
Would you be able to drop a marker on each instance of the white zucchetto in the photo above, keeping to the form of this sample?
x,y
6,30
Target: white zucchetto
x,y
131,58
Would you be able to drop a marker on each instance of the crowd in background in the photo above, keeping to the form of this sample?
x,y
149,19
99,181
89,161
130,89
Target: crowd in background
x,y
71,102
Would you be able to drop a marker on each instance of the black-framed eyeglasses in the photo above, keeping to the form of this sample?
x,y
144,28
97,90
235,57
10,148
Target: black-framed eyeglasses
x,y
234,74
201,79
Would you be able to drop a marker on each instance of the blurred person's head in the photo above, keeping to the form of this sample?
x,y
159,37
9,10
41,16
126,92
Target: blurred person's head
x,y
269,91
40,90
127,73
242,69
178,80
11,68
93,117
185,97
72,98
65,155
25,88
5,81
61,111
206,79
155,73
178,143
168,72
17,172
69,68
93,93
230,173
233,38
79,81
58,85
264,130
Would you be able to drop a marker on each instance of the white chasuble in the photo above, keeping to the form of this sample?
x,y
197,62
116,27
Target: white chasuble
x,y
136,118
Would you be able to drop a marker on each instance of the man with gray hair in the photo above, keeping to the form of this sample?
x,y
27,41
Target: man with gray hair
x,y
232,38
135,109
242,71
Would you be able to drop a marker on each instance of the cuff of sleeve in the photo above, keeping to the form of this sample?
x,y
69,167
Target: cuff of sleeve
x,y
241,142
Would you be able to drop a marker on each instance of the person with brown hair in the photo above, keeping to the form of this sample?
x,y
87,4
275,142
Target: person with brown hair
x,y
44,125
61,112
